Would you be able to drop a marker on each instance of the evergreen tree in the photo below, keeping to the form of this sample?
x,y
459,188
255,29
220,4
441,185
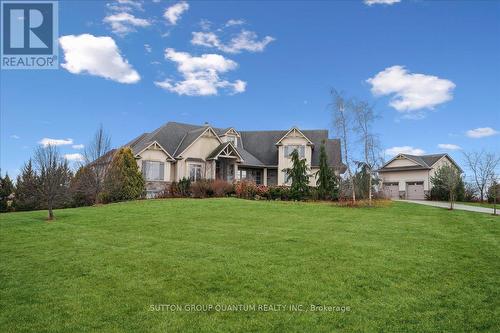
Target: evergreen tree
x,y
6,190
27,195
326,180
299,176
82,188
123,180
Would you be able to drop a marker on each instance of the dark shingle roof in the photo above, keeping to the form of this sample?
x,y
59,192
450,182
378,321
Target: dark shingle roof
x,y
425,160
257,148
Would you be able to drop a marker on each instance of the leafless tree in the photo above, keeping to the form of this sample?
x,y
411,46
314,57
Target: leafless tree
x,y
97,158
342,122
364,118
55,176
483,166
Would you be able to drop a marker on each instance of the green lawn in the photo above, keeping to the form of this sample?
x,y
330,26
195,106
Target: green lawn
x,y
403,268
480,204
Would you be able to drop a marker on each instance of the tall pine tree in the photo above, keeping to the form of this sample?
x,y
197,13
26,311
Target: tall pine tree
x,y
298,173
325,177
28,189
6,190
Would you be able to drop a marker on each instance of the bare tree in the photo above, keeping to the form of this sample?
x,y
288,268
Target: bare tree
x,y
55,176
97,158
342,120
364,117
483,166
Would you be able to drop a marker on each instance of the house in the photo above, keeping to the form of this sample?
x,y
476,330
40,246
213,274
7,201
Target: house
x,y
177,150
408,176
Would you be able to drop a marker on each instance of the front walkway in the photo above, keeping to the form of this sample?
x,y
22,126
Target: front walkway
x,y
444,204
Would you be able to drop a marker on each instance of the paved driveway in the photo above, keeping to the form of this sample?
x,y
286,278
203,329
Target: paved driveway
x,y
444,204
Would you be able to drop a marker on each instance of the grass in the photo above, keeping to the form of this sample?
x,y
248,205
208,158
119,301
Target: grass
x,y
480,204
402,268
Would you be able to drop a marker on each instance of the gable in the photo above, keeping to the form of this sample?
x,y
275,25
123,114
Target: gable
x,y
400,161
202,146
293,136
154,151
205,134
445,159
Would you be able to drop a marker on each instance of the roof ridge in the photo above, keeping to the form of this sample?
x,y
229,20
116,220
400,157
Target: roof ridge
x,y
180,143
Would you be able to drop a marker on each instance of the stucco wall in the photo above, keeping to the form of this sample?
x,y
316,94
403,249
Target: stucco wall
x,y
201,148
285,162
400,163
155,154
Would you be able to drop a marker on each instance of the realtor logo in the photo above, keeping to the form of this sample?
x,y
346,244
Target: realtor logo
x,y
29,35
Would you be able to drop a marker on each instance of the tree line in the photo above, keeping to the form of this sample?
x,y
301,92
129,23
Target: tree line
x,y
47,182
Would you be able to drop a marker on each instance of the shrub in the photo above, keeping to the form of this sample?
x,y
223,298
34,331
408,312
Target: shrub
x,y
279,193
221,188
202,189
184,187
262,191
245,189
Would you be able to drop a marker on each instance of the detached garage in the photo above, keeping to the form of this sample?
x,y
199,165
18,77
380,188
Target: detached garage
x,y
408,176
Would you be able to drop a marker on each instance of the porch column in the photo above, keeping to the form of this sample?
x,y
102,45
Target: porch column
x,y
235,171
264,176
213,168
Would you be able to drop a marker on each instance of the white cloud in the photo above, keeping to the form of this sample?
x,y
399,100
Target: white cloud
x,y
243,41
98,56
201,75
380,2
404,150
449,146
411,91
76,157
148,48
124,23
173,13
125,6
232,22
15,137
78,146
55,142
481,132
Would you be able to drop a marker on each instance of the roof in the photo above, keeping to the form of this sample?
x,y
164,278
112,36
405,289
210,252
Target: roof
x,y
424,162
257,148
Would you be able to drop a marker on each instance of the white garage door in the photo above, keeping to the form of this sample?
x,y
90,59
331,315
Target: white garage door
x,y
415,191
391,190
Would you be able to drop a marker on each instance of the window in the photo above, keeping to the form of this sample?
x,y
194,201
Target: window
x,y
254,175
195,172
153,170
289,150
286,180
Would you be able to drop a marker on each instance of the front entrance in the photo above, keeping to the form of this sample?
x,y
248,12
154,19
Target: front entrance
x,y
224,169
415,191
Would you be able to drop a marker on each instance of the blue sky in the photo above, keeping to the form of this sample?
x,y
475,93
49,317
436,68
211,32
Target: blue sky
x,y
431,68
